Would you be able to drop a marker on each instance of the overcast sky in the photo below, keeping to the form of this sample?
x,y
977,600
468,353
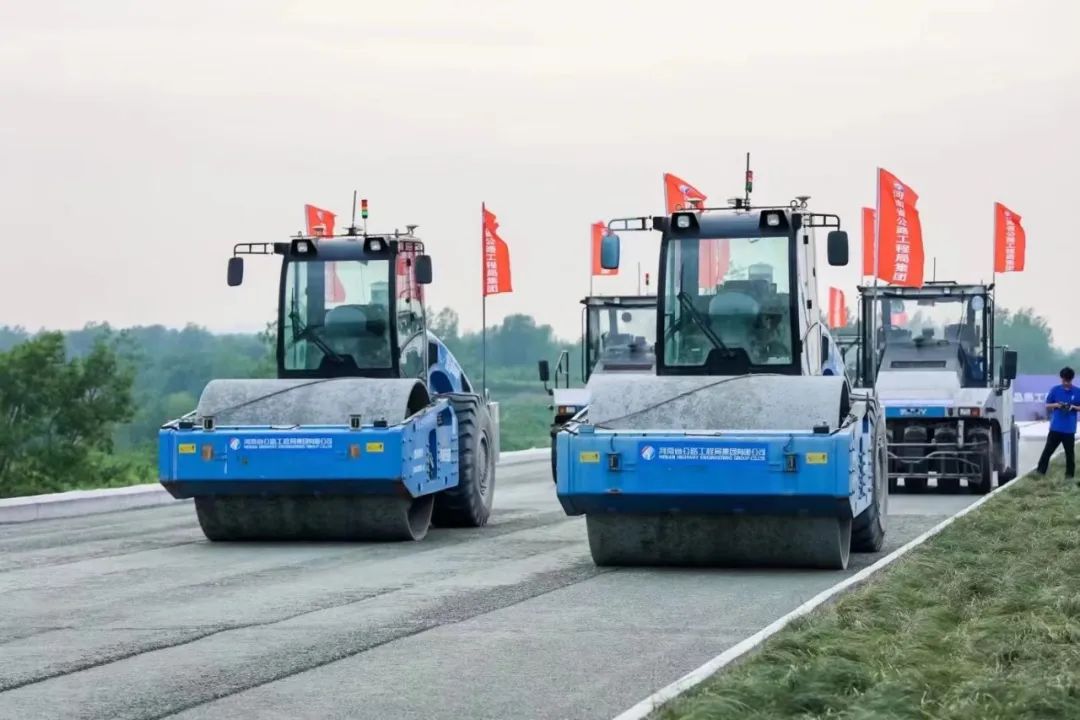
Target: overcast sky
x,y
139,140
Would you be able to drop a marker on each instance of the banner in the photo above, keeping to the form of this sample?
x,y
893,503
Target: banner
x,y
837,309
1029,396
320,223
900,245
868,217
496,257
1010,240
598,230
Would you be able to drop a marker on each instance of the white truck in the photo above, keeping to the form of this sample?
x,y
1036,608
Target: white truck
x,y
944,384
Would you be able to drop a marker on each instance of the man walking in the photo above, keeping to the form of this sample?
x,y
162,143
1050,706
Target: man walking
x,y
1062,402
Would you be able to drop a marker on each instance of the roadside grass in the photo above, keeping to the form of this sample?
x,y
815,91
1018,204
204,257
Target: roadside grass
x,y
981,622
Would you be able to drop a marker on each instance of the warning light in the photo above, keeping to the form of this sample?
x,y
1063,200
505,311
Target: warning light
x,y
646,279
749,181
363,209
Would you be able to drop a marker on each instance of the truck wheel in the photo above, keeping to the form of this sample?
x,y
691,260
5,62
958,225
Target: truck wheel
x,y
915,485
949,485
469,503
868,529
554,475
1011,472
981,485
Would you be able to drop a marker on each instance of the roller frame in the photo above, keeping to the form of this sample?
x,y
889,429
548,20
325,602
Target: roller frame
x,y
314,459
838,483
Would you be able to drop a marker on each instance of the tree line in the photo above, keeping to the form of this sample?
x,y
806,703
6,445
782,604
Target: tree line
x,y
83,408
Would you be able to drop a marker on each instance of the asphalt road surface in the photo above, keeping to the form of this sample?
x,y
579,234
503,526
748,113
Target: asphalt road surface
x,y
134,615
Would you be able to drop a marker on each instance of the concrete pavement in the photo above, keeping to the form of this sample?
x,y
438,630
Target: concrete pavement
x,y
134,615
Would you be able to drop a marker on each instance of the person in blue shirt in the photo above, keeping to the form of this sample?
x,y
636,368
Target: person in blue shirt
x,y
1062,402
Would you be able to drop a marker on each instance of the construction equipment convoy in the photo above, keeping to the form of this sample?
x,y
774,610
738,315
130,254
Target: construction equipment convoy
x,y
618,336
745,446
371,429
930,353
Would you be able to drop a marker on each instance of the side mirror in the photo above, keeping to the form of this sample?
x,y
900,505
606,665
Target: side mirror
x,y
609,252
838,248
1008,365
422,269
236,270
824,350
545,371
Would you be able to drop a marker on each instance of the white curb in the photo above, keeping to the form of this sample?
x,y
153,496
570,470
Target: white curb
x,y
91,502
652,703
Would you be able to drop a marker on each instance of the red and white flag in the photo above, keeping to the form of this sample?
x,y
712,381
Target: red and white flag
x,y
1010,240
320,223
496,257
837,309
598,230
899,238
714,256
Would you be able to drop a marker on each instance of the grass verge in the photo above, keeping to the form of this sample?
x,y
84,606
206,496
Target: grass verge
x,y
983,621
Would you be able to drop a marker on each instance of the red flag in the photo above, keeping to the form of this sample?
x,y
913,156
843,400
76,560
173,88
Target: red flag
x,y
320,223
496,257
900,246
713,255
868,241
837,309
680,195
1010,240
598,229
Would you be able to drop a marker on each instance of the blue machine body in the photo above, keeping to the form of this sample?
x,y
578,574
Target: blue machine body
x,y
416,457
774,473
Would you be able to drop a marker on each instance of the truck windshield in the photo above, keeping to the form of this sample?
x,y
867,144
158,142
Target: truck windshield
x,y
952,319
735,299
621,337
336,313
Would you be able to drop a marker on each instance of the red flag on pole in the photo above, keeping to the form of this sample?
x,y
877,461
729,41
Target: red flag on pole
x,y
320,223
496,257
1010,240
598,229
868,241
713,255
837,309
900,247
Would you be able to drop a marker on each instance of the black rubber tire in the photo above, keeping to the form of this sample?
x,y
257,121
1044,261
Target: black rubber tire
x,y
1013,470
915,485
554,465
868,529
468,504
949,485
982,484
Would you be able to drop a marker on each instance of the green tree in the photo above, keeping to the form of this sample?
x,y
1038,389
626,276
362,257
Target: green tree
x,y
57,414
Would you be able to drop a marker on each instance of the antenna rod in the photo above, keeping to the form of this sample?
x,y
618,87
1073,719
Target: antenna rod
x,y
354,209
749,180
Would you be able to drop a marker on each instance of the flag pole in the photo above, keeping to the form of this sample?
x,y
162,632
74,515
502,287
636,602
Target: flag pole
x,y
483,302
876,268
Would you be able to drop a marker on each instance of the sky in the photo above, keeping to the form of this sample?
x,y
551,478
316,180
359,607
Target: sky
x,y
139,141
